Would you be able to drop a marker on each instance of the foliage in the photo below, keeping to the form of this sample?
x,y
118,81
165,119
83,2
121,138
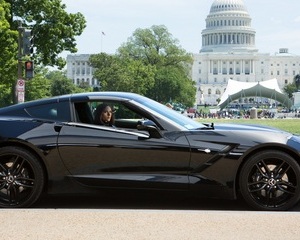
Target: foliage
x,y
38,87
8,46
5,95
289,89
60,84
8,60
155,47
54,29
54,32
150,63
122,74
297,81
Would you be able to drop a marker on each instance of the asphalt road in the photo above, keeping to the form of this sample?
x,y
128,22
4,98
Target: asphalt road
x,y
127,216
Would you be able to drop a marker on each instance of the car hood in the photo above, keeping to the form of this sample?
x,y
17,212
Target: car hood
x,y
249,127
242,134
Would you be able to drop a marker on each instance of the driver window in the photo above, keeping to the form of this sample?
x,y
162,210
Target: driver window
x,y
123,117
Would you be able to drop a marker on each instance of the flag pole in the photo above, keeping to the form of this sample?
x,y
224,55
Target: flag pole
x,y
102,34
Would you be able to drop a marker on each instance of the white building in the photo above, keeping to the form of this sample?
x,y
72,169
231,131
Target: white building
x,y
228,52
79,70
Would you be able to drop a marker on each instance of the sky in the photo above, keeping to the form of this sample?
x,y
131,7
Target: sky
x,y
111,22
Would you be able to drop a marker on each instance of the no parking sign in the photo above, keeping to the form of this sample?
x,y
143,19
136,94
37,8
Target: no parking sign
x,y
20,90
21,85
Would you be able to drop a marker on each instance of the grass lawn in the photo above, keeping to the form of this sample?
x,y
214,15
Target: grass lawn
x,y
289,125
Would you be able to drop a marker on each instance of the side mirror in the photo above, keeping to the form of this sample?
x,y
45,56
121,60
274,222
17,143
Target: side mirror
x,y
151,127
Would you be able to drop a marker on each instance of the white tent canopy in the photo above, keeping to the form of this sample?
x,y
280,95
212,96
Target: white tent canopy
x,y
267,89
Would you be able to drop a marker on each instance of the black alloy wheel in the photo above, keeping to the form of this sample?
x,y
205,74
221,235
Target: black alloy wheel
x,y
270,180
21,178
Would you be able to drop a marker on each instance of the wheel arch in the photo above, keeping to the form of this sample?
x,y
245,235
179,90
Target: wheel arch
x,y
33,150
261,148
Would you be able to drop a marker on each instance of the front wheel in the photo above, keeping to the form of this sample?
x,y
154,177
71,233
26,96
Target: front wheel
x,y
270,180
21,177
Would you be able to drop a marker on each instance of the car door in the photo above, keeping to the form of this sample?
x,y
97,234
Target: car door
x,y
101,156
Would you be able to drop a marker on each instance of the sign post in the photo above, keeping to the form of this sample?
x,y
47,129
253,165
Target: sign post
x,y
21,90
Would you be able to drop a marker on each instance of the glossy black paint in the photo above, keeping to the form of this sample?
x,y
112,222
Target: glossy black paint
x,y
80,157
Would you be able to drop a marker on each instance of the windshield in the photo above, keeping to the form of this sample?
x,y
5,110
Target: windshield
x,y
171,114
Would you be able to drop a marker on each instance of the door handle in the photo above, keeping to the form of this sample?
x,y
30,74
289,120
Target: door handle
x,y
206,150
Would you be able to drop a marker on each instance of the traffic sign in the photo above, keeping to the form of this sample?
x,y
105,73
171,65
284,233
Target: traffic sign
x,y
21,85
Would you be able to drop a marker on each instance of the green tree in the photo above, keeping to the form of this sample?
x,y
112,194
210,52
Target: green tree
x,y
54,32
38,87
118,73
54,29
5,95
83,87
60,84
297,81
156,47
289,89
8,60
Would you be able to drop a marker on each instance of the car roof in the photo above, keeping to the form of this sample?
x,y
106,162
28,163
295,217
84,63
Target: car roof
x,y
75,97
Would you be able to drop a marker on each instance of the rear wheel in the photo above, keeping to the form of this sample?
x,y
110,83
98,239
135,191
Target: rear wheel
x,y
270,180
21,177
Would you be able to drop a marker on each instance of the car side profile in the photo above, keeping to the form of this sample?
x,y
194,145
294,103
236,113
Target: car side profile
x,y
54,146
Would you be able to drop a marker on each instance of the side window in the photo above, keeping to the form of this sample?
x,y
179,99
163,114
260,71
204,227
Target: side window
x,y
53,111
124,116
83,112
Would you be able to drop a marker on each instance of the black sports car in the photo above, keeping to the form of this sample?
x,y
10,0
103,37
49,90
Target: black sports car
x,y
53,145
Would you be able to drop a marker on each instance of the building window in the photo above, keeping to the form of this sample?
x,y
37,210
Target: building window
x,y
209,91
278,73
286,81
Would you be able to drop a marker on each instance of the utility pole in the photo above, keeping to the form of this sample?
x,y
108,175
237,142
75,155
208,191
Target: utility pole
x,y
25,49
19,94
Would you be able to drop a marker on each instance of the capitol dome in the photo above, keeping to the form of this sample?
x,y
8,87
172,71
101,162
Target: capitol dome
x,y
228,28
228,5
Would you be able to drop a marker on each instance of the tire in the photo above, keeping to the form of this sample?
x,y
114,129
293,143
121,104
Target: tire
x,y
270,181
22,178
